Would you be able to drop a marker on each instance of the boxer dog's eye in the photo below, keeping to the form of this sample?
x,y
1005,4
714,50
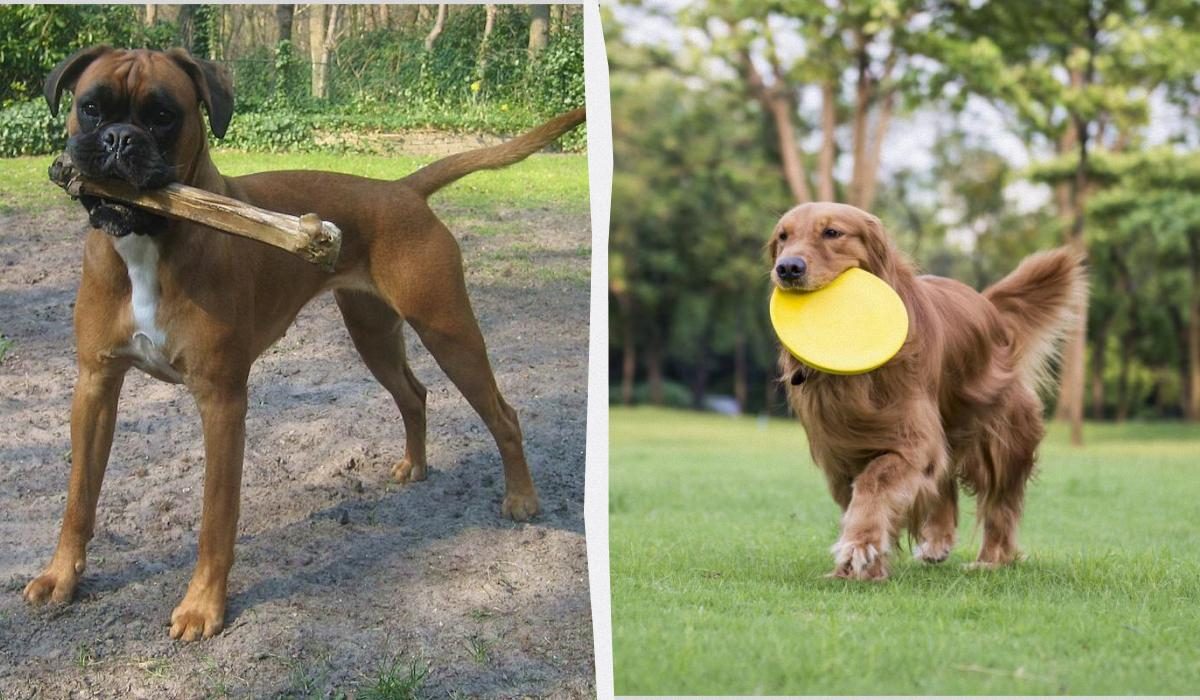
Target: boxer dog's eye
x,y
163,117
90,110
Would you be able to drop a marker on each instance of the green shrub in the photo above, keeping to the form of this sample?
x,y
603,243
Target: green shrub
x,y
274,129
28,129
33,38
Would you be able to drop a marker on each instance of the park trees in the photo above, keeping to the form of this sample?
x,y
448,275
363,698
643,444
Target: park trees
x,y
1077,75
1072,84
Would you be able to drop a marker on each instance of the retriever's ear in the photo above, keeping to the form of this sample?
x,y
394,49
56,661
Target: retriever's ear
x,y
214,86
882,256
772,246
67,72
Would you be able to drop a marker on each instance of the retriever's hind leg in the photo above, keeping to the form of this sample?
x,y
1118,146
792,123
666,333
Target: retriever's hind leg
x,y
378,334
1010,454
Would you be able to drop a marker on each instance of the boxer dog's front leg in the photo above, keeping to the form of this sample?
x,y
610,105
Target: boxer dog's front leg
x,y
93,419
223,415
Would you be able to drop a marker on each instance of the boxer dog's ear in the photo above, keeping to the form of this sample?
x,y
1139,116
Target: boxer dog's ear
x,y
67,72
214,85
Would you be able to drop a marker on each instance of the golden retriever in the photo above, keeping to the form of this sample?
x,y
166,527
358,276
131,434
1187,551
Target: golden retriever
x,y
957,405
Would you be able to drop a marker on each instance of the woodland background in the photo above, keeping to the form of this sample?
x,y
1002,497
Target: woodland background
x,y
316,77
978,131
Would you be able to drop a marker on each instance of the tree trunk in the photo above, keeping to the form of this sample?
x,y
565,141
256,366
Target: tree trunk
x,y
862,107
439,23
556,18
1132,330
740,367
654,371
489,22
187,26
628,349
151,14
1073,359
316,50
489,25
284,15
1099,352
539,28
1192,387
1123,394
700,377
870,174
777,101
828,155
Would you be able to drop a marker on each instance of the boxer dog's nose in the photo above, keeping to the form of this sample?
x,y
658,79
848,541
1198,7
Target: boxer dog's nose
x,y
118,139
790,269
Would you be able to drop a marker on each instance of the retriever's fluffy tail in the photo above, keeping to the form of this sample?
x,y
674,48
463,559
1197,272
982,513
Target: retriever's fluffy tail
x,y
438,174
1040,301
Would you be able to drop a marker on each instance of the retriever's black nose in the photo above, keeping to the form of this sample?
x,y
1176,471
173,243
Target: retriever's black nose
x,y
790,269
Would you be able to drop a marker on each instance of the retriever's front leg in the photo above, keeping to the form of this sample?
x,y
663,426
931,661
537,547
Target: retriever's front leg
x,y
223,414
881,497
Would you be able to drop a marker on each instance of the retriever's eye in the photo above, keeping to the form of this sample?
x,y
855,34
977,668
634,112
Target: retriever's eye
x,y
831,233
783,236
90,109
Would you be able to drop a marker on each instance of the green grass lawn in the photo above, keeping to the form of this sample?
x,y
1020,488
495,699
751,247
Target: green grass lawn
x,y
720,530
541,180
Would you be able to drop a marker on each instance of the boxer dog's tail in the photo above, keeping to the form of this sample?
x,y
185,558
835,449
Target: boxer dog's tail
x,y
438,174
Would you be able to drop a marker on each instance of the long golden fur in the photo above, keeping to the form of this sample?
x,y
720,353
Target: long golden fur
x,y
957,405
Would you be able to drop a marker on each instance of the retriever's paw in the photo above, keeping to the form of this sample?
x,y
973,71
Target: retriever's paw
x,y
197,618
520,506
405,471
935,549
860,561
54,585
995,559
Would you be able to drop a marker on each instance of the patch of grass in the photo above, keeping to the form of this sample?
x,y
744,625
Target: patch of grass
x,y
720,530
556,180
542,180
399,681
6,344
309,681
24,184
481,614
85,655
479,649
155,668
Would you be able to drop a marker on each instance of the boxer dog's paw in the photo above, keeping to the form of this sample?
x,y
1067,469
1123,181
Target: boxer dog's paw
x,y
860,560
405,471
197,617
520,506
52,587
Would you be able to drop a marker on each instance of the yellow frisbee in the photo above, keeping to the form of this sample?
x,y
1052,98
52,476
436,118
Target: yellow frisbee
x,y
852,325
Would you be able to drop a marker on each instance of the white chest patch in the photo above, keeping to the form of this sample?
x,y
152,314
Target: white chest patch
x,y
147,345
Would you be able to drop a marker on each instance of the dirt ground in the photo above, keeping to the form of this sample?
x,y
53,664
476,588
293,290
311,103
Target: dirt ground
x,y
340,573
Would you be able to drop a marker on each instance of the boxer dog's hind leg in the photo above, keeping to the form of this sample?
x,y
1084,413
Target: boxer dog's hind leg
x,y
436,305
378,334
93,421
223,416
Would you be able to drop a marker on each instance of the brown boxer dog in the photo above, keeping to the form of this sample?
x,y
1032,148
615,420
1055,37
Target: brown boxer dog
x,y
190,305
